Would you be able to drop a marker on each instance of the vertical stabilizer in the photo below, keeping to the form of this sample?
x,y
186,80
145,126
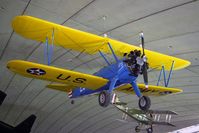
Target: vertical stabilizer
x,y
26,125
2,96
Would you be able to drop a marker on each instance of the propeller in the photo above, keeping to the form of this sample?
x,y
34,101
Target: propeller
x,y
144,67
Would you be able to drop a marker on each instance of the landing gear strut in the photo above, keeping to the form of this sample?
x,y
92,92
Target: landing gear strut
x,y
104,98
144,103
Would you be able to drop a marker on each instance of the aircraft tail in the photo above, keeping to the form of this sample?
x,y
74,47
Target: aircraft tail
x,y
2,96
26,125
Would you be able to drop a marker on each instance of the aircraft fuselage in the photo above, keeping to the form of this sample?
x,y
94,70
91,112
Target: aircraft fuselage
x,y
117,70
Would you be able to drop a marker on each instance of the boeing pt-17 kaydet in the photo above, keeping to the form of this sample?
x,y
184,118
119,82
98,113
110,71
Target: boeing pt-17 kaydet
x,y
130,61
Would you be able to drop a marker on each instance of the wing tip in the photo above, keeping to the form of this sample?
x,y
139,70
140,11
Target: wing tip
x,y
15,23
184,64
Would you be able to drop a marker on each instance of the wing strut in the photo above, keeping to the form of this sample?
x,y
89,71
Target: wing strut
x,y
113,52
166,81
104,57
48,51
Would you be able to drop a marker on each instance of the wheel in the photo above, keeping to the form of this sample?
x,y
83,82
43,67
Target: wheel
x,y
150,130
137,129
104,98
72,102
144,103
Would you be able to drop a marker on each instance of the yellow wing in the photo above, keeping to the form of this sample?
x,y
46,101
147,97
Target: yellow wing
x,y
38,29
152,90
44,72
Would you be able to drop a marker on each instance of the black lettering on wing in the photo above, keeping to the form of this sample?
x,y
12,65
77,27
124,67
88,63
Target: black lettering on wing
x,y
61,77
79,80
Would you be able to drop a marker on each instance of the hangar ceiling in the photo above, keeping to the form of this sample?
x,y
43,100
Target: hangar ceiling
x,y
170,27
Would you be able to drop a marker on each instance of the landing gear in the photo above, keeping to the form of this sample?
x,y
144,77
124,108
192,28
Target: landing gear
x,y
144,103
72,101
137,129
141,127
104,98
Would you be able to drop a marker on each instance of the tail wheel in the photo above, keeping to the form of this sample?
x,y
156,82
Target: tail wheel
x,y
137,129
72,101
150,130
104,98
144,103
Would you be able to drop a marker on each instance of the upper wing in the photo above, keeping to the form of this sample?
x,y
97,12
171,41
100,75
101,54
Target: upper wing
x,y
44,72
152,90
38,29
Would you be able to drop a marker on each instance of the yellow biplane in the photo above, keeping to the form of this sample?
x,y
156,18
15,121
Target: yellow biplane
x,y
120,76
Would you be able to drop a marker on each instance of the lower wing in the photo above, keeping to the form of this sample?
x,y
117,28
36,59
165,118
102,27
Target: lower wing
x,y
54,74
61,87
152,90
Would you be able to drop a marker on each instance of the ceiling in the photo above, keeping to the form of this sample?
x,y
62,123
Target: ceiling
x,y
170,27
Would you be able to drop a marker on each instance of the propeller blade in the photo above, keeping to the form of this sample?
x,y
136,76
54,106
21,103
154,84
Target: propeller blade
x,y
142,43
145,74
144,69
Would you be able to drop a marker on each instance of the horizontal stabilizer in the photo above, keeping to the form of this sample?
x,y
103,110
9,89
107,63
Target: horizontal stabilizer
x,y
61,87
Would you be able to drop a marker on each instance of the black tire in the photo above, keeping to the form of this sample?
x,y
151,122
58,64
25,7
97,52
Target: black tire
x,y
144,103
104,98
72,102
137,129
150,130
